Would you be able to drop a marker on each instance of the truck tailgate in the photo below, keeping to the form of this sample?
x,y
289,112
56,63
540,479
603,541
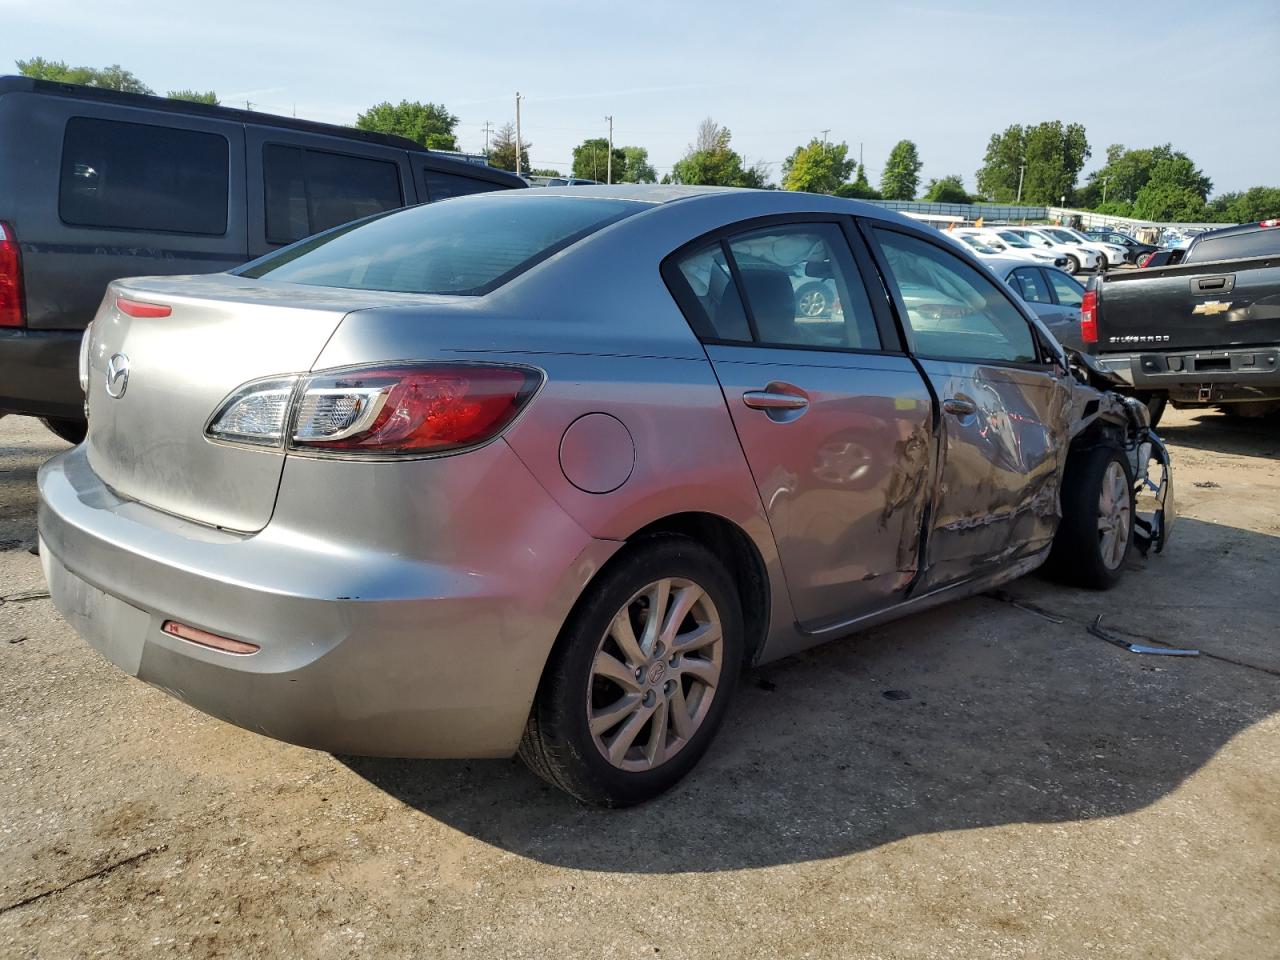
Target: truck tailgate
x,y
1229,303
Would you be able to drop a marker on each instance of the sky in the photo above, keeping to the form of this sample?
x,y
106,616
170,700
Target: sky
x,y
1203,76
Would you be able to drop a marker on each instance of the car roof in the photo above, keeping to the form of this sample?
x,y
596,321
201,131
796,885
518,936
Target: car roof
x,y
1232,231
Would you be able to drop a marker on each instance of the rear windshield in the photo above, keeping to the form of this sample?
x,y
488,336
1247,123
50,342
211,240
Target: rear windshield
x,y
467,245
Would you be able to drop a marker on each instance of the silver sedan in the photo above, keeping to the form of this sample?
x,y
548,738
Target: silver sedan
x,y
542,471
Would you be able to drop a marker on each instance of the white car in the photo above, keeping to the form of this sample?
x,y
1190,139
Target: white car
x,y
1078,257
1012,246
1111,253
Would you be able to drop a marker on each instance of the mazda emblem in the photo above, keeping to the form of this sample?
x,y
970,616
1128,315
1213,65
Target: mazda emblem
x,y
117,375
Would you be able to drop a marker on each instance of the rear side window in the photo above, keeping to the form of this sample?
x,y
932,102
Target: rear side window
x,y
1031,286
135,176
1258,243
470,246
308,191
953,311
1070,293
442,186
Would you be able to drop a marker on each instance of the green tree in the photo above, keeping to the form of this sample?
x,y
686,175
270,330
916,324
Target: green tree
x,y
1126,172
859,188
114,77
1256,203
947,190
1053,153
502,150
1176,191
901,175
639,170
711,161
545,172
591,160
818,167
195,96
429,124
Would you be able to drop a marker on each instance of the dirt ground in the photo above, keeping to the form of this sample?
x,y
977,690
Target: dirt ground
x,y
1040,793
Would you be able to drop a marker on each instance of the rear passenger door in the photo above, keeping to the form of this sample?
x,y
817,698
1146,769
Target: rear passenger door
x,y
833,417
1004,409
301,184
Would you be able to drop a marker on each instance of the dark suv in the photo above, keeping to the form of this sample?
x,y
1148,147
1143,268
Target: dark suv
x,y
97,185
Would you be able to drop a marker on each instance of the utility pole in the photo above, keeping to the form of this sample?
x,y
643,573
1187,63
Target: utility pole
x,y
1021,170
609,161
487,127
1104,189
517,133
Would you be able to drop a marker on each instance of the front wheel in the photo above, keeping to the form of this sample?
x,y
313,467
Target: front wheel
x,y
812,301
1095,534
1073,264
641,675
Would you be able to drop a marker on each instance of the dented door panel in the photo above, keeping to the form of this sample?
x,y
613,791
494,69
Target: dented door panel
x,y
845,479
1000,466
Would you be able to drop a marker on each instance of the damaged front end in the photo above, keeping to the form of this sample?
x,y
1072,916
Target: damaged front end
x,y
1104,415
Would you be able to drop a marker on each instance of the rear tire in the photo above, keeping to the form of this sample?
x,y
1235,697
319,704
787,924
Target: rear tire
x,y
1156,405
1095,534
590,698
72,431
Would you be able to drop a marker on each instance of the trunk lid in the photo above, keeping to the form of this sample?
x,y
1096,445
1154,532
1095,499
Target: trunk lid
x,y
148,443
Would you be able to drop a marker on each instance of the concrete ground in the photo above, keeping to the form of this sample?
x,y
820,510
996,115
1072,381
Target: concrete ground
x,y
1039,793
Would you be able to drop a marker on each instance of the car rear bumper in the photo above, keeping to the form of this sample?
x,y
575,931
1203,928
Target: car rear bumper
x,y
38,373
362,651
1202,376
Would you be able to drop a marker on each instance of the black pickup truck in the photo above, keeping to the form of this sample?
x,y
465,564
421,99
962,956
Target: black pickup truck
x,y
1202,333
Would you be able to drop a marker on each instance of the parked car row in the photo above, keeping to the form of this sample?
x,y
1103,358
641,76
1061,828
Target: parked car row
x,y
96,184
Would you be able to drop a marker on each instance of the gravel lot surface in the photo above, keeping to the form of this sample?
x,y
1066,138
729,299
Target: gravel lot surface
x,y
1039,793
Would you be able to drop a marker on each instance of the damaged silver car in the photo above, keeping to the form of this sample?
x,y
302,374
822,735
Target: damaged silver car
x,y
542,471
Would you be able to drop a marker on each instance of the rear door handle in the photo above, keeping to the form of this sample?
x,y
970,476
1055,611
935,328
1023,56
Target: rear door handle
x,y
768,400
958,407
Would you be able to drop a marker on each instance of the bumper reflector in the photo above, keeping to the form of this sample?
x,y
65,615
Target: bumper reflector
x,y
205,639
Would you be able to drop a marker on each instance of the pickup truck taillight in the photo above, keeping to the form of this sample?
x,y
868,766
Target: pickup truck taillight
x,y
11,312
1089,317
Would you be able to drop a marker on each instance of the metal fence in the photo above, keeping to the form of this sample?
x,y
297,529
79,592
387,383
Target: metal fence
x,y
1011,213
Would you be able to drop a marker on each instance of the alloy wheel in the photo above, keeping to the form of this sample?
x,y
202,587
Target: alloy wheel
x,y
812,303
654,674
1114,516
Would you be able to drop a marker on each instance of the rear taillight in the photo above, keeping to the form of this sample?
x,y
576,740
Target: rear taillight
x,y
406,410
403,410
12,312
1089,317
1269,223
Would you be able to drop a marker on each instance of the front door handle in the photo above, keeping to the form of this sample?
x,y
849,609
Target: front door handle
x,y
768,400
958,407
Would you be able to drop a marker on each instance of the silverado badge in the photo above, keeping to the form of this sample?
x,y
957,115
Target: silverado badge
x,y
1211,307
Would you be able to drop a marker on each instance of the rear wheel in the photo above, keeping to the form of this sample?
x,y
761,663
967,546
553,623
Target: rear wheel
x,y
1073,264
641,676
1095,534
1156,404
72,431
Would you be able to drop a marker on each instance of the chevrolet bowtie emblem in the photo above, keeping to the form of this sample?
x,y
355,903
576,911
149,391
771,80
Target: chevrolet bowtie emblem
x,y
1211,307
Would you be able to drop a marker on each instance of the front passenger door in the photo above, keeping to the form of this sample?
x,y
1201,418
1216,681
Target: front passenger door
x,y
1004,410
